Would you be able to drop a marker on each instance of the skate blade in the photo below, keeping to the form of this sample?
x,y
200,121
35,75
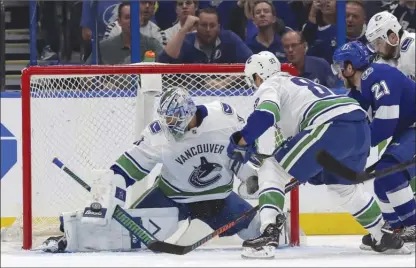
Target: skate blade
x,y
401,251
267,252
365,247
410,246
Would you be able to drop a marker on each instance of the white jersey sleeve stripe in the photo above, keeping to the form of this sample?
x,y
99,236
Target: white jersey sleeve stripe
x,y
270,107
388,112
136,163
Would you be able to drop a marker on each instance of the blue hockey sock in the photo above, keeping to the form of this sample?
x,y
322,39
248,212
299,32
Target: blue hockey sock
x,y
396,196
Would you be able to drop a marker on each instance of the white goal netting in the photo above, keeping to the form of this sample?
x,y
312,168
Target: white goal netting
x,y
87,117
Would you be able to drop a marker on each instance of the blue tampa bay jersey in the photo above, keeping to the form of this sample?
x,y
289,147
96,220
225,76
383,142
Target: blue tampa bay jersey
x,y
392,98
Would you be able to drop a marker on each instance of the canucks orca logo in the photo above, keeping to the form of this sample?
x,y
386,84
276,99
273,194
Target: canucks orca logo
x,y
199,178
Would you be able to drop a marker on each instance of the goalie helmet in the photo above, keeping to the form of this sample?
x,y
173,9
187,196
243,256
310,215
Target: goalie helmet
x,y
176,110
379,27
264,64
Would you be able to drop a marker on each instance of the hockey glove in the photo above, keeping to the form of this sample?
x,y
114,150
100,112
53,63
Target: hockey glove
x,y
237,152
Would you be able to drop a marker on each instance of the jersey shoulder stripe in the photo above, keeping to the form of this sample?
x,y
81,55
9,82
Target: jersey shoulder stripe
x,y
322,106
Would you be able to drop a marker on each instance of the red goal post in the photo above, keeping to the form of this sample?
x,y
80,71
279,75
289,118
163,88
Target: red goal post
x,y
62,106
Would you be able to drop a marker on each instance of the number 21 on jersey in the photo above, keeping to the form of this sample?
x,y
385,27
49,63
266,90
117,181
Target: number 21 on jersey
x,y
380,89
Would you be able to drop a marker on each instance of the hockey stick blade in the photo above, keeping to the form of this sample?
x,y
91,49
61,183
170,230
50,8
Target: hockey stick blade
x,y
333,165
161,246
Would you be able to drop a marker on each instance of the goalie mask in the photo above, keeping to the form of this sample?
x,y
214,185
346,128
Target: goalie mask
x,y
176,110
264,64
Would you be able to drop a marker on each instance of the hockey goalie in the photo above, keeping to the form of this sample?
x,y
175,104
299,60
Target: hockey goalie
x,y
195,181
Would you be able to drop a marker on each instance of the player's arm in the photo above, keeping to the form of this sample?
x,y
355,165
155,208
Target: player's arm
x,y
387,104
265,115
137,162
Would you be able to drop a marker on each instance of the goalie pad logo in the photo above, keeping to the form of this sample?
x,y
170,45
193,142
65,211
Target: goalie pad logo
x,y
199,178
88,212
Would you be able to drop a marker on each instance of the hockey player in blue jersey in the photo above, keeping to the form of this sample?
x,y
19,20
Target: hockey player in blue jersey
x,y
392,98
312,118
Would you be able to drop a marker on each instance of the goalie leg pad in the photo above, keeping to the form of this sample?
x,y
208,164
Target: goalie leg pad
x,y
84,237
107,191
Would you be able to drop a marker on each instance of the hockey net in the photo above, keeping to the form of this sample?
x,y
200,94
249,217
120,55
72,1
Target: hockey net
x,y
88,115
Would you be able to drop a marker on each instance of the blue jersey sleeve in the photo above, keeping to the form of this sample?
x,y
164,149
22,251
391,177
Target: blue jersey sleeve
x,y
386,90
257,123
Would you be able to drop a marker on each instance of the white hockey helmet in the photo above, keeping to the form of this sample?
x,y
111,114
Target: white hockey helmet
x,y
379,26
264,64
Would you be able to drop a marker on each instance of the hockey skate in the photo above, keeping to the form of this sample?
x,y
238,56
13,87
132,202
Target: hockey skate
x,y
367,239
390,243
54,244
263,247
408,234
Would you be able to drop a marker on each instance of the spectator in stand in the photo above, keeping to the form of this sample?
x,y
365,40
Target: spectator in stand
x,y
241,20
49,45
356,19
147,27
267,38
104,11
184,8
405,13
209,44
320,29
310,67
116,50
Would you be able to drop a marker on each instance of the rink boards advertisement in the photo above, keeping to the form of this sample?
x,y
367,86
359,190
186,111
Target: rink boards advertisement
x,y
319,213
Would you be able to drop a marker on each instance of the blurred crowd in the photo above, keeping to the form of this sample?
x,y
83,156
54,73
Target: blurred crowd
x,y
190,31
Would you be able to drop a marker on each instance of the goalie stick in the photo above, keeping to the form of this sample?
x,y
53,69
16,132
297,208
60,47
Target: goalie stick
x,y
331,164
182,250
152,243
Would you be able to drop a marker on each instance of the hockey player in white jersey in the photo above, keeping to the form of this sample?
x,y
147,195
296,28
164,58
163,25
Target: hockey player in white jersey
x,y
195,180
313,118
393,44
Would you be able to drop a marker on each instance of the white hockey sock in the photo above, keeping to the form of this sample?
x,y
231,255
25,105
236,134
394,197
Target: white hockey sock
x,y
272,181
362,206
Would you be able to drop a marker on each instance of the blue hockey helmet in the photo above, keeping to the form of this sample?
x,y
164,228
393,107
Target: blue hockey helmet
x,y
354,52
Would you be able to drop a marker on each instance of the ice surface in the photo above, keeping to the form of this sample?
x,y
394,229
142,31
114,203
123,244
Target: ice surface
x,y
320,251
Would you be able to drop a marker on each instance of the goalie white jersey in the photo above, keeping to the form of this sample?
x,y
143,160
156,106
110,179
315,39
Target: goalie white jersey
x,y
298,103
194,169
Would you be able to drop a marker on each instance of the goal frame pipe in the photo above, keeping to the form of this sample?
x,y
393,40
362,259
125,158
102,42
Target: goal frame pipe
x,y
63,70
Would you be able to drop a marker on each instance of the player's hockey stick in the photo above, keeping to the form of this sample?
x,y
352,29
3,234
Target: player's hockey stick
x,y
119,214
333,165
182,250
